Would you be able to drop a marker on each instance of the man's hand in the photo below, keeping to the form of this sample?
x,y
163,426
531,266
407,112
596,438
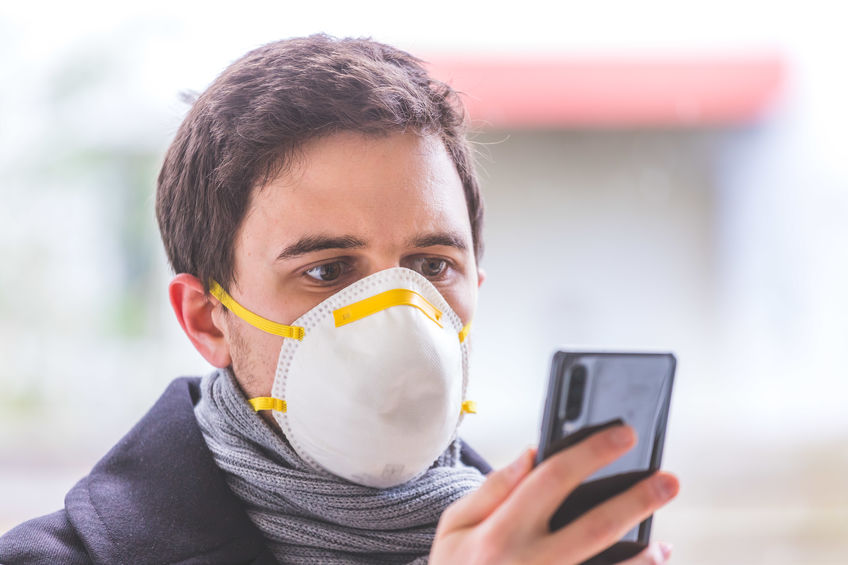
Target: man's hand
x,y
506,519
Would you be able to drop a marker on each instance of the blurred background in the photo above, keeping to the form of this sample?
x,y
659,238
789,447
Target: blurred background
x,y
658,175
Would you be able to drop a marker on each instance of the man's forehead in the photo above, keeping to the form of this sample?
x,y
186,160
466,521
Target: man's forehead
x,y
349,190
347,152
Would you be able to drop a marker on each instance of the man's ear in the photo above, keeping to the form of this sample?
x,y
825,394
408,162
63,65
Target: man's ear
x,y
194,308
481,276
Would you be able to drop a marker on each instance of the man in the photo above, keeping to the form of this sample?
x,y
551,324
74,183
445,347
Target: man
x,y
320,209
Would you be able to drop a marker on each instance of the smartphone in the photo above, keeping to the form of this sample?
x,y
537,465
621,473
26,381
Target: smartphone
x,y
591,391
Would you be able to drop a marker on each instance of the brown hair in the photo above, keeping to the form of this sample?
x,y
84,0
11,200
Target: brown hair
x,y
246,127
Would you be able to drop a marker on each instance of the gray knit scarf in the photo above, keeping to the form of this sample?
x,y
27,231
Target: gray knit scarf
x,y
309,516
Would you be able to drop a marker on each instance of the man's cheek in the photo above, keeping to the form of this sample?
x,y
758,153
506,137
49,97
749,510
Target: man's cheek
x,y
254,362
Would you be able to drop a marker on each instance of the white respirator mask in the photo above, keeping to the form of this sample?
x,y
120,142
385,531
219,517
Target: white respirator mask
x,y
371,382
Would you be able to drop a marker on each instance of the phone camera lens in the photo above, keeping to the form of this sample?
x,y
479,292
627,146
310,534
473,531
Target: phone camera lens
x,y
576,390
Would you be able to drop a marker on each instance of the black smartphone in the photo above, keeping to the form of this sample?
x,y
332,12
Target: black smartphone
x,y
591,391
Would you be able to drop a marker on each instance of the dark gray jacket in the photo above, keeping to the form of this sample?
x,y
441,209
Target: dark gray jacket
x,y
156,497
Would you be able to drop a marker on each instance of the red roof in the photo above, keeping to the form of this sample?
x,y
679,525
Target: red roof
x,y
569,92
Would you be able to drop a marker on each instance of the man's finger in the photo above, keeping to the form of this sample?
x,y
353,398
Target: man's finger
x,y
477,506
603,525
540,494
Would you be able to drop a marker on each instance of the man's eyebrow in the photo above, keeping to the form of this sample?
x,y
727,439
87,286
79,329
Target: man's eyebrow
x,y
449,239
312,243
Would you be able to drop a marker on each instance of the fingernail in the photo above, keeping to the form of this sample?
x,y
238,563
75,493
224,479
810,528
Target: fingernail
x,y
665,548
666,486
621,436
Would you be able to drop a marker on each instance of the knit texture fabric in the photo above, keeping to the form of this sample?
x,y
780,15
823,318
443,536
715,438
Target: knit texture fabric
x,y
312,516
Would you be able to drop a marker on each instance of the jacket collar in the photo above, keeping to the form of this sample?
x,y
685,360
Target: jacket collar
x,y
159,497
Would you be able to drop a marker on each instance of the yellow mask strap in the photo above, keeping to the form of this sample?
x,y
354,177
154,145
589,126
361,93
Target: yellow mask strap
x,y
278,404
255,320
268,403
463,333
342,316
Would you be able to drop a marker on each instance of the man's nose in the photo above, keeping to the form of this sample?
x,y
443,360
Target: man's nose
x,y
381,263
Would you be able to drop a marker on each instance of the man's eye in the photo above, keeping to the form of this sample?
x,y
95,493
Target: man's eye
x,y
327,272
432,267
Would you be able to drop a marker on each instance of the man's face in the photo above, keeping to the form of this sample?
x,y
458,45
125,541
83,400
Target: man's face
x,y
351,205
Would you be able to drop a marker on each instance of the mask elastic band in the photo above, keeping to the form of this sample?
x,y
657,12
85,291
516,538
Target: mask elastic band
x,y
268,403
463,333
255,320
387,299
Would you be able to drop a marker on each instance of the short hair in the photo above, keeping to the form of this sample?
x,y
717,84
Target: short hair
x,y
248,125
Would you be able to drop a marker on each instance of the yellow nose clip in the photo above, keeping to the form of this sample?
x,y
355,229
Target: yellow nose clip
x,y
384,300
